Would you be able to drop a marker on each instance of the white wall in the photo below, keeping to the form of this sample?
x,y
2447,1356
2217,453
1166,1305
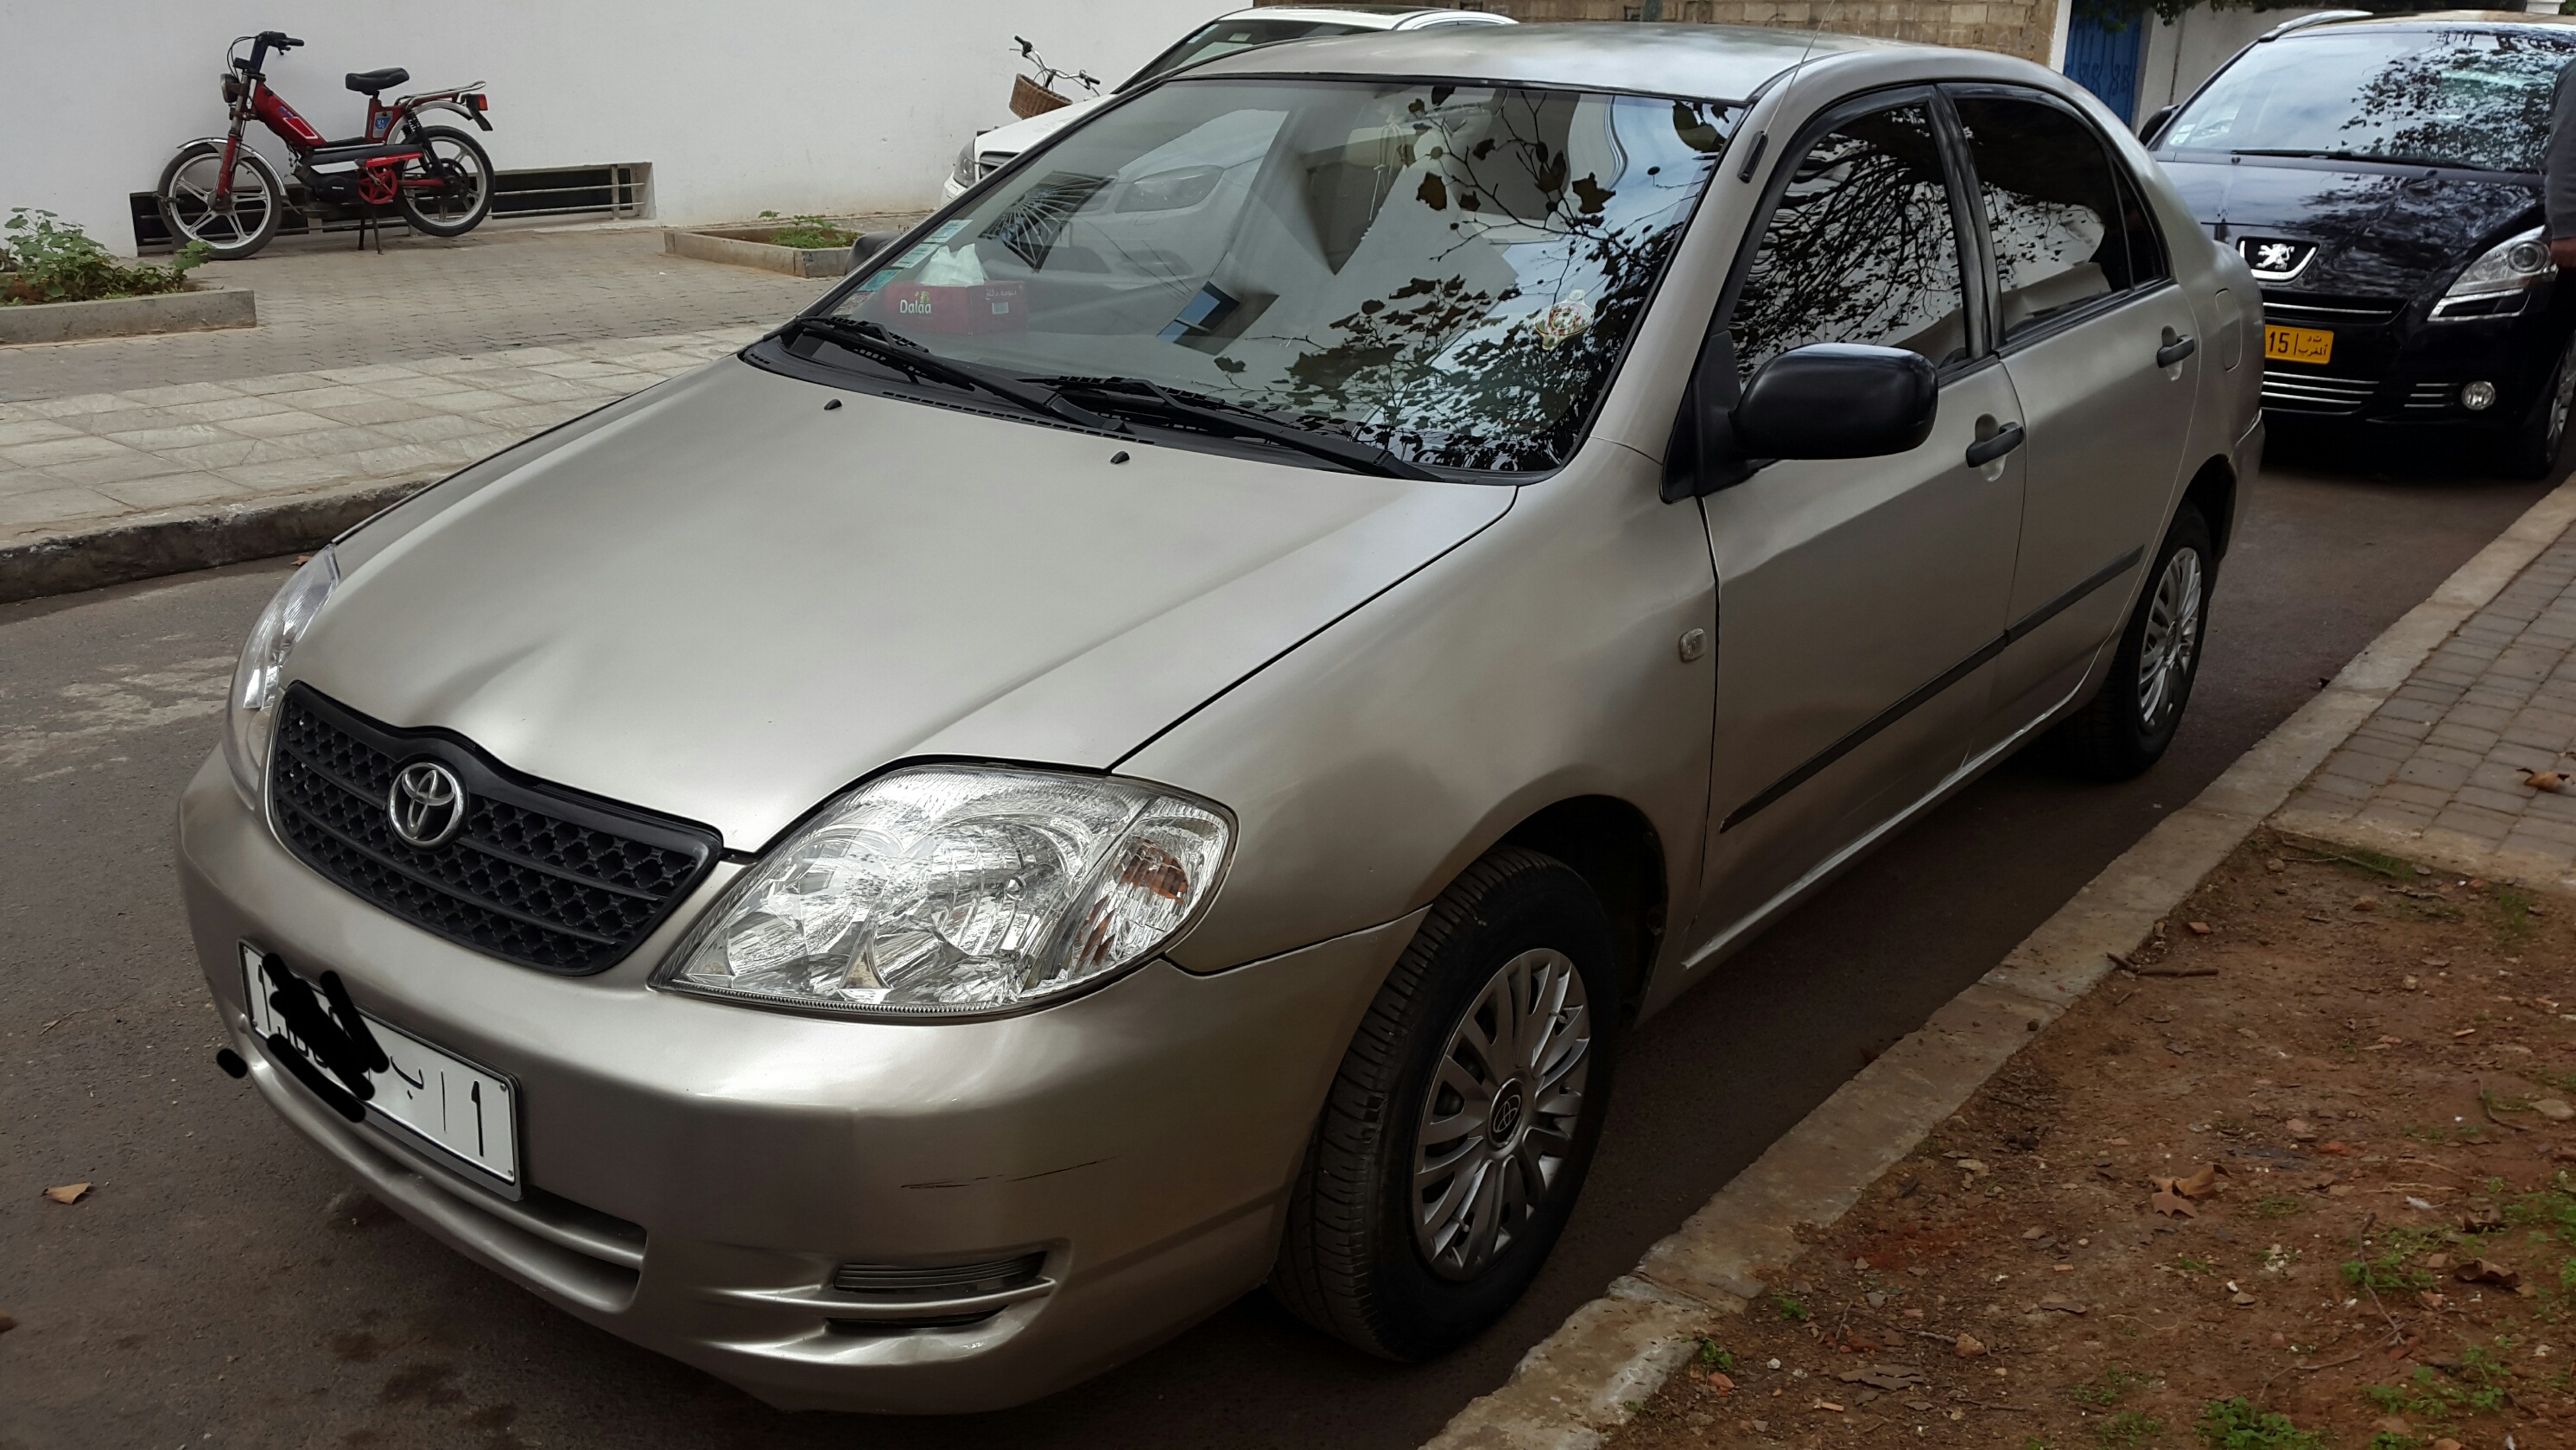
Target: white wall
x,y
787,105
2182,55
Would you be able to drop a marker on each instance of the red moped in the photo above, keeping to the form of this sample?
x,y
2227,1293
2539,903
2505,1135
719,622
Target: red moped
x,y
223,193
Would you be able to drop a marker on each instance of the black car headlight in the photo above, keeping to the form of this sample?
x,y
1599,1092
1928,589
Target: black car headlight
x,y
2500,281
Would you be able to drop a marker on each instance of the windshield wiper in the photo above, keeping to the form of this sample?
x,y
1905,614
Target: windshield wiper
x,y
897,351
2306,154
1143,395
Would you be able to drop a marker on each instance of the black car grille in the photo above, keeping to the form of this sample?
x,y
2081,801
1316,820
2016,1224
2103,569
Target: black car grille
x,y
2320,310
2288,392
536,874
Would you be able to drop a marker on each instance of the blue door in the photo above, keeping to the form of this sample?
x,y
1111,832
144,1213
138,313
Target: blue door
x,y
2105,61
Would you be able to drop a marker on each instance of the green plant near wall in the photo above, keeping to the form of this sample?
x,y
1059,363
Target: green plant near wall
x,y
808,231
46,259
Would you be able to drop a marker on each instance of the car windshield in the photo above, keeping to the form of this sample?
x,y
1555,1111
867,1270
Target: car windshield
x,y
1446,272
1228,36
2433,96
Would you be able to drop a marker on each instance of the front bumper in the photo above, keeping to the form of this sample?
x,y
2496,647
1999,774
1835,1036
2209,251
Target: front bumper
x,y
696,1171
2392,365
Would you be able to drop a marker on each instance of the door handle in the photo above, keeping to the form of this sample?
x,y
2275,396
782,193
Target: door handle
x,y
1987,450
2176,350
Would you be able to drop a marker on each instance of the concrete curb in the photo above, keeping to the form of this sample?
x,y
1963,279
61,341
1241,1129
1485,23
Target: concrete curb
x,y
742,251
199,310
200,538
1611,1353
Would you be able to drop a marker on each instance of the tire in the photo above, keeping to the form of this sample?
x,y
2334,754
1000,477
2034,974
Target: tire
x,y
468,168
186,196
2533,450
1357,1261
2125,728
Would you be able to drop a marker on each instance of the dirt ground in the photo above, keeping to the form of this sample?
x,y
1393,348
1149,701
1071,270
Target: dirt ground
x,y
2354,1077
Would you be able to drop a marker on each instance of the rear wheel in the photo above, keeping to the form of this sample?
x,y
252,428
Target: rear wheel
x,y
195,208
2126,728
2535,445
463,196
1463,1119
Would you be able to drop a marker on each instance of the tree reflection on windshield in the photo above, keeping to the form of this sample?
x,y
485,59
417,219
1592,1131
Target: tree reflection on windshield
x,y
2447,97
1447,272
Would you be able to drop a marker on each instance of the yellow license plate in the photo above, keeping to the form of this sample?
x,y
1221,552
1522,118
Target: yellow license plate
x,y
2298,344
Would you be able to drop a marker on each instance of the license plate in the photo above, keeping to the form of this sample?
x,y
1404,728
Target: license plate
x,y
2298,344
468,1114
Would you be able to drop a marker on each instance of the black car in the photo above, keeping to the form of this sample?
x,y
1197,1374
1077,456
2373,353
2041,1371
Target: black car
x,y
2381,176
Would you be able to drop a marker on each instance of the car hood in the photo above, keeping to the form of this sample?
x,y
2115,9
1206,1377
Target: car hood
x,y
2377,233
1020,135
726,603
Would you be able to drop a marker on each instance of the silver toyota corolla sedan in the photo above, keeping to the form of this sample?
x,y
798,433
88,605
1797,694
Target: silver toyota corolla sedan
x,y
1158,740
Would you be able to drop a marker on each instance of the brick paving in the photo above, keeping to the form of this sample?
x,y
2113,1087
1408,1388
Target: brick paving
x,y
99,458
324,304
366,366
2441,772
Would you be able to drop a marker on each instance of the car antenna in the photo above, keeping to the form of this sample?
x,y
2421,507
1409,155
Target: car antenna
x,y
1762,138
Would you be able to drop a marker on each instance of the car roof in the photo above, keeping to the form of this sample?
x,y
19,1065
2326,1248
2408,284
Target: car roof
x,y
1712,62
1375,17
2449,19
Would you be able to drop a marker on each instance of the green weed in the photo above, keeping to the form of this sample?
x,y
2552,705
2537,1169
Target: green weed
x,y
2108,1390
2388,1271
1790,1309
2234,1424
2279,1205
2127,1430
1714,1357
2511,911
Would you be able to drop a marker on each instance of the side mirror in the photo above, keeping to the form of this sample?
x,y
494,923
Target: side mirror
x,y
1837,400
867,248
2154,124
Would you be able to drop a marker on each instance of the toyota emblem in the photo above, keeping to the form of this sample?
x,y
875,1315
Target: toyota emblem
x,y
426,805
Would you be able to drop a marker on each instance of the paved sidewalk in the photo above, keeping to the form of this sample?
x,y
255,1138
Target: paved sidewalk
x,y
99,459
325,304
2445,770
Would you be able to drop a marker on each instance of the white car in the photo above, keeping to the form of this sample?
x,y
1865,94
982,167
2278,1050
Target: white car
x,y
1241,30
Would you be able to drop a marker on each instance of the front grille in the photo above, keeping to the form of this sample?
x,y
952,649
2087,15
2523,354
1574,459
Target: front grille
x,y
2325,311
2428,397
536,875
2313,393
943,1281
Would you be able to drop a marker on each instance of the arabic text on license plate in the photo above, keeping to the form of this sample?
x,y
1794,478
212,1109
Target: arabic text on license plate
x,y
2298,344
468,1113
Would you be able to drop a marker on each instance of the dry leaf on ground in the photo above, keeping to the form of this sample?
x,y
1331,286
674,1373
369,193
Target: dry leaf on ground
x,y
68,1193
2549,780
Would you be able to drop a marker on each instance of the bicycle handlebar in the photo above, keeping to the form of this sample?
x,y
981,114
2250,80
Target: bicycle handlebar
x,y
278,40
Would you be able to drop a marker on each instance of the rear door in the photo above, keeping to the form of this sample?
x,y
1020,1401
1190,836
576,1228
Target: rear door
x,y
2098,340
1857,598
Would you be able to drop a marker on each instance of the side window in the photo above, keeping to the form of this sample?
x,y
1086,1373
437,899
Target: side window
x,y
2067,225
1862,249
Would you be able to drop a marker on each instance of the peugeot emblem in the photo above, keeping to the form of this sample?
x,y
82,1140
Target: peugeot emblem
x,y
426,805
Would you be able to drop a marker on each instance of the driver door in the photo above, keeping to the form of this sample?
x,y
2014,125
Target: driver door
x,y
1858,599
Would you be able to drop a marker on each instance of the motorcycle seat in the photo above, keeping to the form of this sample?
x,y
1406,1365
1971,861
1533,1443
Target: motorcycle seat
x,y
368,82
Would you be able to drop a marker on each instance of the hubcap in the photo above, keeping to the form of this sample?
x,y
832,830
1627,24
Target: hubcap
x,y
2172,642
1498,1124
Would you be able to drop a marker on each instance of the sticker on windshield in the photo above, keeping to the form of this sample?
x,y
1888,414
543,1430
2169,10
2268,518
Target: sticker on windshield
x,y
947,230
913,254
1569,318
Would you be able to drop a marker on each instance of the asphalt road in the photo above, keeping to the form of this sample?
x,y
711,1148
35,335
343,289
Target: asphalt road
x,y
216,1287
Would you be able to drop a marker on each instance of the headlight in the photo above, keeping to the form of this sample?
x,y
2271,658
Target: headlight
x,y
2494,284
947,890
963,173
250,716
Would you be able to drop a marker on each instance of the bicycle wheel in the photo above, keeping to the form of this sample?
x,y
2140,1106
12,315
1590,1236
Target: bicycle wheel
x,y
464,194
242,222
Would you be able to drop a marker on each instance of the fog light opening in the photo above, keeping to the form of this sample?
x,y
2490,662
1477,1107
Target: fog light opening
x,y
2477,397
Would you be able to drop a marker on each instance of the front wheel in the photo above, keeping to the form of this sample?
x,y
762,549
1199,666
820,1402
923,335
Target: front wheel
x,y
2533,450
2125,729
1463,1119
458,190
232,222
